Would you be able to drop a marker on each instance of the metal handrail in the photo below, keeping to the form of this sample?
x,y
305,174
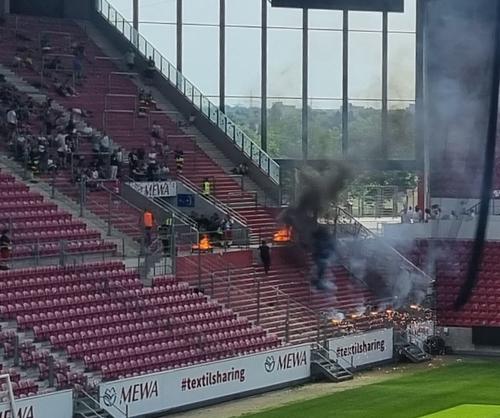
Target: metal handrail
x,y
369,233
235,288
317,346
177,213
279,293
98,402
213,113
213,200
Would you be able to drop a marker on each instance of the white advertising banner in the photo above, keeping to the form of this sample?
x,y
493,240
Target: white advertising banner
x,y
172,389
154,189
362,349
53,405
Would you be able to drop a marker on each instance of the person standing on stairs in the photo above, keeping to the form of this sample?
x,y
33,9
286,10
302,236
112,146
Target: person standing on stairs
x,y
265,256
113,165
179,160
148,222
206,187
5,248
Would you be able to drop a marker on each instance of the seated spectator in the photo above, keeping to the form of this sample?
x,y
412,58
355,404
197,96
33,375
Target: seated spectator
x,y
105,143
150,101
189,122
28,61
157,130
241,169
164,173
17,62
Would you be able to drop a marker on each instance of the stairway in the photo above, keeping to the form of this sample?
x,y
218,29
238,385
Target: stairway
x,y
322,366
86,406
202,158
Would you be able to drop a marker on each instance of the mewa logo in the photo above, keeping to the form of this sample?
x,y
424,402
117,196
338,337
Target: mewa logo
x,y
26,412
132,393
285,361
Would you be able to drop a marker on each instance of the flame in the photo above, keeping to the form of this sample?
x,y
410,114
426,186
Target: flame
x,y
283,235
204,244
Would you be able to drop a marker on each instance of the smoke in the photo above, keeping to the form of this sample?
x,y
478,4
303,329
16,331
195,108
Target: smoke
x,y
458,54
368,259
392,281
319,190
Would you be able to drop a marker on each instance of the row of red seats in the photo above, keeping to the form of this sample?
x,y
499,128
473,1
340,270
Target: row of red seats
x,y
92,312
78,269
161,340
124,279
152,364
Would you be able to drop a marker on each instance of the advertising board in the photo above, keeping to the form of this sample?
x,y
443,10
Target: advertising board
x,y
52,405
180,387
362,349
154,189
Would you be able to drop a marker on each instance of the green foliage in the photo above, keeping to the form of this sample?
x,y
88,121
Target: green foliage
x,y
404,180
325,131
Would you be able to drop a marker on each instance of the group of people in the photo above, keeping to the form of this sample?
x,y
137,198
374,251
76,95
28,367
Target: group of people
x,y
416,215
219,229
39,136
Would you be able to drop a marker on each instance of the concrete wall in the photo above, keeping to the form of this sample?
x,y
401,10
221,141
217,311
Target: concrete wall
x,y
201,205
459,339
81,9
142,202
4,7
73,9
441,229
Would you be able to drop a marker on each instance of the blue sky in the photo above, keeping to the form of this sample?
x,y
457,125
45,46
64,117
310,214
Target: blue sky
x,y
201,55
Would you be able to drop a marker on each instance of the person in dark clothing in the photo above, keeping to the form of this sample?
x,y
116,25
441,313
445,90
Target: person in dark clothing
x,y
265,256
322,253
5,248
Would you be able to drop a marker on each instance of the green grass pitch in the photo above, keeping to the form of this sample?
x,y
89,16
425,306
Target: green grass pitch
x,y
469,389
469,411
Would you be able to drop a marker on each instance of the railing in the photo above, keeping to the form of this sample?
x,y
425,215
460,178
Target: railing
x,y
213,201
494,208
178,214
36,253
343,218
185,219
168,71
324,353
273,299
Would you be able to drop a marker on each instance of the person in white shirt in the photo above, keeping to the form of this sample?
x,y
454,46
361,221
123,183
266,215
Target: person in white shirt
x,y
409,215
105,143
12,123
